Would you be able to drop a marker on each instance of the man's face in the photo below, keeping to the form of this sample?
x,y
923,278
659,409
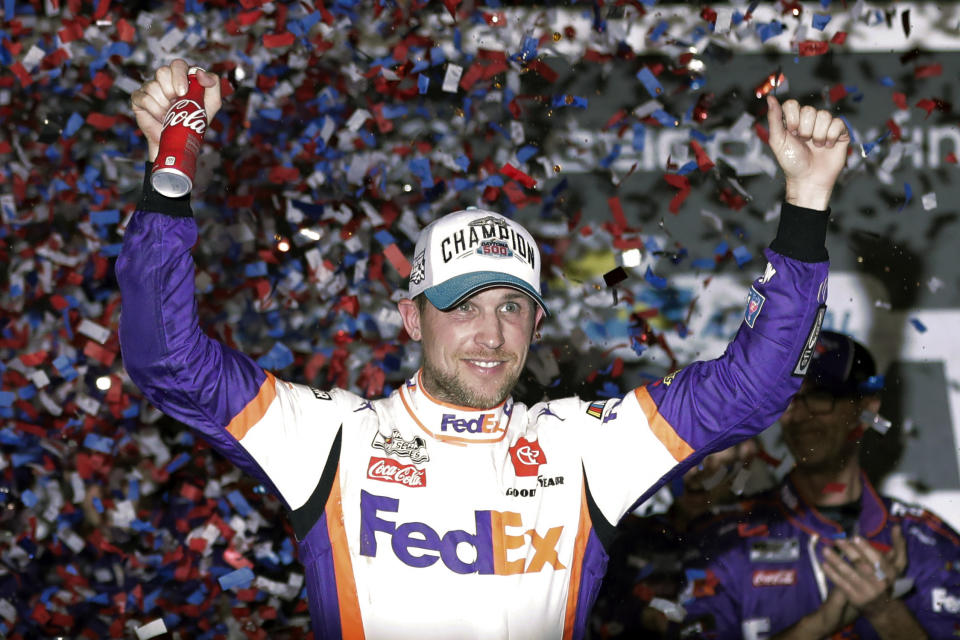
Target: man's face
x,y
820,429
473,354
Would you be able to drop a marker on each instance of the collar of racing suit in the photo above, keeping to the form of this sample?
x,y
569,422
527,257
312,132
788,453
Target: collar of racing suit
x,y
873,513
452,423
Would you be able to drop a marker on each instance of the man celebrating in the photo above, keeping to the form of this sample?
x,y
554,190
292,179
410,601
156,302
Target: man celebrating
x,y
447,509
823,553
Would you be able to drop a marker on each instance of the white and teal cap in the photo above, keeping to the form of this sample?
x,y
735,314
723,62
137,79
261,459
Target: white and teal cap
x,y
467,251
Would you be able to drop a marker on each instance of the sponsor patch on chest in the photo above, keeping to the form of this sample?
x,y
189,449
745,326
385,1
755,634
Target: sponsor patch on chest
x,y
387,470
774,577
775,550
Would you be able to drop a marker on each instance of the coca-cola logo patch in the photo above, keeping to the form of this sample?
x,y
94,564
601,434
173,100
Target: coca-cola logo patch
x,y
774,577
386,470
527,457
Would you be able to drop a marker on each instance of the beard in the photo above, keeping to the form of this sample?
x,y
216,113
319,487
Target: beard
x,y
451,389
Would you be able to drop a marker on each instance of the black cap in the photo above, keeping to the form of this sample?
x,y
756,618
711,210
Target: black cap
x,y
843,366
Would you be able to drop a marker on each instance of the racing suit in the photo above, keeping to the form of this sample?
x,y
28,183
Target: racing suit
x,y
759,571
418,519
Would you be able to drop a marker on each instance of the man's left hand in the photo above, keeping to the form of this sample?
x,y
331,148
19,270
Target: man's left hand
x,y
811,148
864,574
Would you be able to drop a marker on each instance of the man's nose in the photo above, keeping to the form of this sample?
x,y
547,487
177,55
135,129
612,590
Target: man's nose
x,y
796,411
489,331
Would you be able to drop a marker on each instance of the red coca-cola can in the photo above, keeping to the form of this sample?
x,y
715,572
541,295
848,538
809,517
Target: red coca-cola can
x,y
180,141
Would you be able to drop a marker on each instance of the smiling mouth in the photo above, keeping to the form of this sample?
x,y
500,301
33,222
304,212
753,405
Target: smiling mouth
x,y
485,364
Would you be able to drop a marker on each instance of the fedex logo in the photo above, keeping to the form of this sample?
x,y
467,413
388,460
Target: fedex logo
x,y
486,423
496,533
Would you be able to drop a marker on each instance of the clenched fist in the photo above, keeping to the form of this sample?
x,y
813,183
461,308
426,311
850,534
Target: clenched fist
x,y
151,101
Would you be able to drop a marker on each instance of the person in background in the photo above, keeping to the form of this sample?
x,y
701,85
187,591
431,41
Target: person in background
x,y
823,553
639,594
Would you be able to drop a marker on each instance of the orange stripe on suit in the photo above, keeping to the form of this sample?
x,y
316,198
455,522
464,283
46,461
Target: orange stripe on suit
x,y
255,409
662,429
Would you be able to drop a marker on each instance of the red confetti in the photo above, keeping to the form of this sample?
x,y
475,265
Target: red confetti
x,y
703,160
18,69
398,260
813,47
125,31
839,37
894,129
102,7
617,210
834,487
274,40
102,121
951,158
543,69
927,105
900,99
451,6
837,92
928,70
678,182
512,172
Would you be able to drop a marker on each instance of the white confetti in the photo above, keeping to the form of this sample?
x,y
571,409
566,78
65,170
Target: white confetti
x,y
152,629
452,78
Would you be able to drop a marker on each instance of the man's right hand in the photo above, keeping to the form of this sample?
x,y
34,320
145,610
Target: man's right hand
x,y
152,101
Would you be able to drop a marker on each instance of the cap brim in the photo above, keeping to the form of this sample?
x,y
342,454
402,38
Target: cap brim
x,y
447,295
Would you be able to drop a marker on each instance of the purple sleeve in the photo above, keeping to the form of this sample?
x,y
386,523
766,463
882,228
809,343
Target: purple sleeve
x,y
711,595
710,405
933,559
181,370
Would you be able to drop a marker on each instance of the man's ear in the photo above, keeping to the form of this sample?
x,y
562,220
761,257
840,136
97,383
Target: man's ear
x,y
538,320
411,318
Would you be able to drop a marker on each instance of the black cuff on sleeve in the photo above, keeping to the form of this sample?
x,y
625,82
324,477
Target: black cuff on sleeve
x,y
802,233
151,200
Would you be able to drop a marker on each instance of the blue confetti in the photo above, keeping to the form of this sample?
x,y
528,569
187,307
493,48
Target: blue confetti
x,y
742,255
526,152
655,281
769,30
385,238
820,21
255,269
73,125
650,82
108,216
278,357
420,167
423,83
177,463
919,326
659,30
239,503
665,118
639,136
98,443
240,578
29,498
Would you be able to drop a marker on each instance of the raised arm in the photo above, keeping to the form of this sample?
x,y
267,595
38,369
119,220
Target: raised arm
x,y
238,407
711,405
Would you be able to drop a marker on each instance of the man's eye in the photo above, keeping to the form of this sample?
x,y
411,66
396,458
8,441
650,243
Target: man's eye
x,y
511,307
463,307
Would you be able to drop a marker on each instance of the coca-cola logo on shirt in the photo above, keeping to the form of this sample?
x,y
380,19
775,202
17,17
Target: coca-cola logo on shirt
x,y
387,470
774,577
186,113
